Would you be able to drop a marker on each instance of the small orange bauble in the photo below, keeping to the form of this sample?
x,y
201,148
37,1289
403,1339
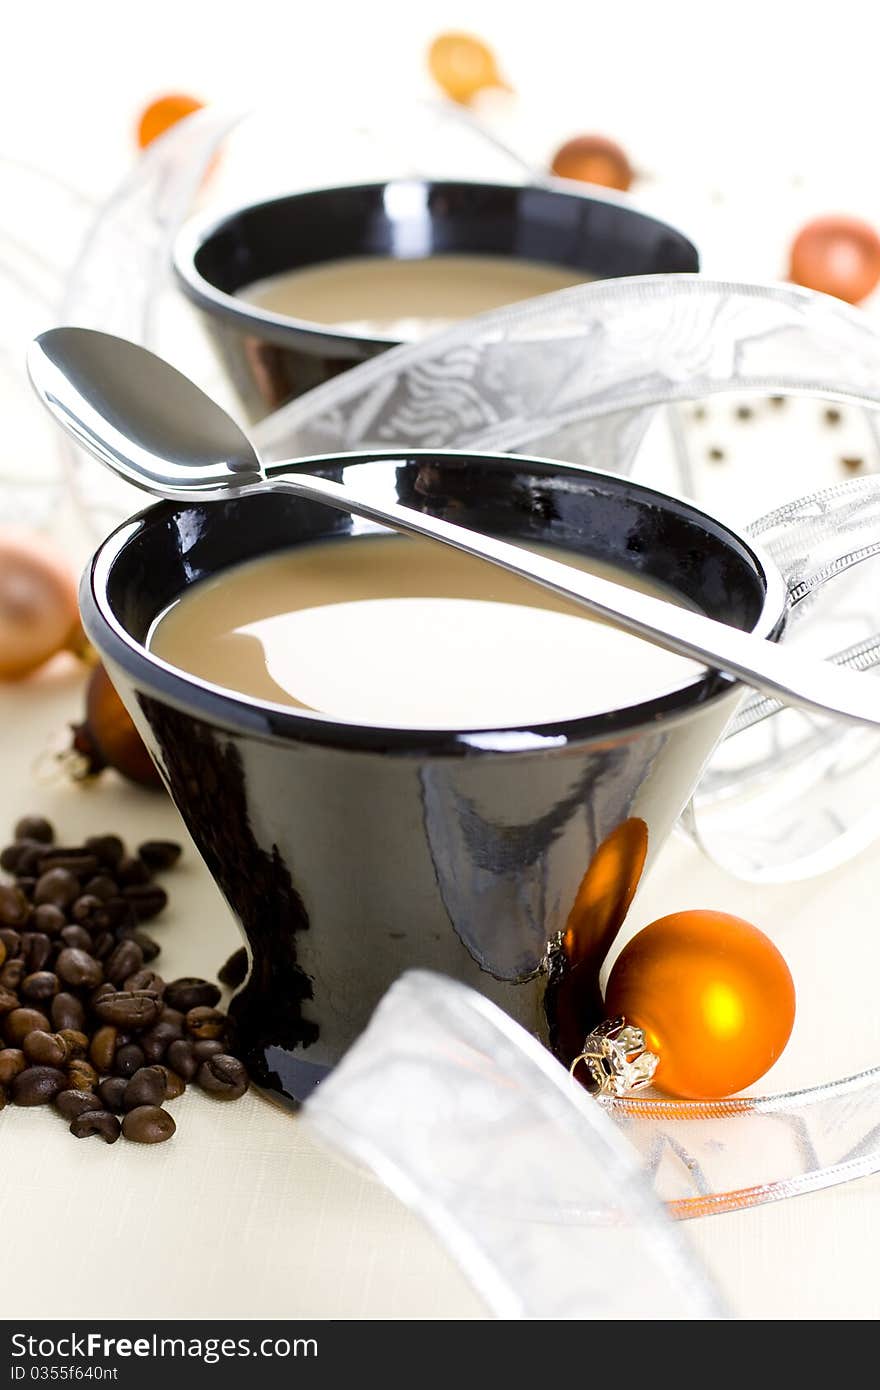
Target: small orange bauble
x,y
714,998
837,255
162,114
463,66
593,159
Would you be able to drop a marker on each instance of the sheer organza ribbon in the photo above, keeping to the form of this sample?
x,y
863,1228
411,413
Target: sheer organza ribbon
x,y
519,1172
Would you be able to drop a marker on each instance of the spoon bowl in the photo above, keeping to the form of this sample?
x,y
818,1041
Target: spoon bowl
x,y
139,416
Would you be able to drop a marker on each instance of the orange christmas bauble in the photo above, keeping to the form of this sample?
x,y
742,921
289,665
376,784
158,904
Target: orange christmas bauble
x,y
463,66
837,255
713,996
162,114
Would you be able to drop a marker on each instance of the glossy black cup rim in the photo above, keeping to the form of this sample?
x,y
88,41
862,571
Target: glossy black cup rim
x,y
282,328
243,713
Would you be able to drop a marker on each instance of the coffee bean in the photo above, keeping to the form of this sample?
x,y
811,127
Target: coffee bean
x,y
148,1124
149,947
81,1076
174,1083
12,1061
78,968
12,974
171,1021
147,900
146,980
98,1122
23,858
159,854
107,849
67,1012
156,1040
122,912
131,872
36,1085
115,913
236,968
8,1000
205,1023
77,862
189,993
129,1059
40,986
44,1049
134,1009
102,1049
112,1091
101,886
34,828
146,1087
68,925
180,1057
89,912
11,947
103,945
77,1043
56,886
224,1077
48,918
14,906
11,940
36,948
19,1022
73,1103
124,960
77,938
9,857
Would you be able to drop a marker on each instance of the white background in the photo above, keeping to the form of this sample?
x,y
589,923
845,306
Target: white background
x,y
752,93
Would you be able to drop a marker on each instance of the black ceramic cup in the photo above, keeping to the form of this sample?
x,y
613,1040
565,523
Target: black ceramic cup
x,y
505,858
271,358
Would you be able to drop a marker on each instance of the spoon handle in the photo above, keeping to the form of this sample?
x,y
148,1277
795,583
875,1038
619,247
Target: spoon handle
x,y
796,680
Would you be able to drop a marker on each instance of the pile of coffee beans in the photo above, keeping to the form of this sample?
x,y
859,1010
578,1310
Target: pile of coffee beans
x,y
86,1023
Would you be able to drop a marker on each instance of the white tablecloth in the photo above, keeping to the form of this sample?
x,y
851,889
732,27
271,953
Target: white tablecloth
x,y
241,1215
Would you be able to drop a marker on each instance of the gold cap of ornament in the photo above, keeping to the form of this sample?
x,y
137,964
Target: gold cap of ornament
x,y
615,1059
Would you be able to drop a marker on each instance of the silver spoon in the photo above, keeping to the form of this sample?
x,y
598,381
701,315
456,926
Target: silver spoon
x,y
156,429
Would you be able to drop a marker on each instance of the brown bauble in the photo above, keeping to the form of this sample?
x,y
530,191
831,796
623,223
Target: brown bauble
x,y
593,159
838,256
108,738
38,609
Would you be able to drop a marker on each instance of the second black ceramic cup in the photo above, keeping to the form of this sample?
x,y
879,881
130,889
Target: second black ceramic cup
x,y
503,857
271,358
